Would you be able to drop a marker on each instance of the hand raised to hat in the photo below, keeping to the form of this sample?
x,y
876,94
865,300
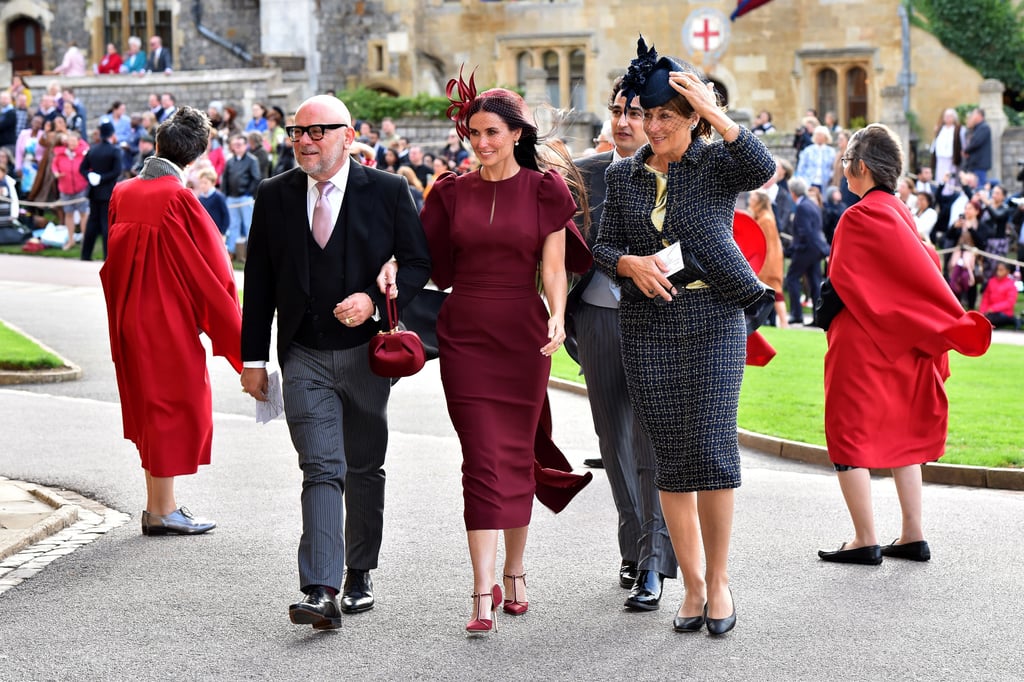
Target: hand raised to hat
x,y
703,99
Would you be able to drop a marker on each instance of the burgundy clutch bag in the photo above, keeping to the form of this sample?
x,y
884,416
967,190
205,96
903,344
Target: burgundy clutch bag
x,y
396,352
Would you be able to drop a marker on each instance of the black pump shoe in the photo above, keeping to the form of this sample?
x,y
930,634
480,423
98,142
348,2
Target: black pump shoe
x,y
871,555
915,551
690,623
720,626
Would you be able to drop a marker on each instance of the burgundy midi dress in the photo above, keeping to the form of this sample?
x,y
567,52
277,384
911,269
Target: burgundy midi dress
x,y
486,240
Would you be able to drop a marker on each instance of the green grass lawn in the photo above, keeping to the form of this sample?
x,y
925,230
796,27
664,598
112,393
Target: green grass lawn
x,y
786,398
20,353
54,252
76,253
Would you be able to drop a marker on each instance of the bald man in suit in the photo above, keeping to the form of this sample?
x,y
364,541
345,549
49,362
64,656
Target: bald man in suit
x,y
320,235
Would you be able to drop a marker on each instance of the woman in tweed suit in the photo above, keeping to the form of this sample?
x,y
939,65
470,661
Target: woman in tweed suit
x,y
683,346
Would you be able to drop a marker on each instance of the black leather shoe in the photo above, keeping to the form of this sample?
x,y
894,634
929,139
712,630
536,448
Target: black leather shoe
x,y
689,623
178,522
915,551
357,594
318,608
646,592
593,463
720,626
627,574
868,556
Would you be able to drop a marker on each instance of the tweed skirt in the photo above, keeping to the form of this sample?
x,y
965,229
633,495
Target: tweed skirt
x,y
684,364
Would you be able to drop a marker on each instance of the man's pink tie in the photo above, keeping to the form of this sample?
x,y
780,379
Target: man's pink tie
x,y
322,223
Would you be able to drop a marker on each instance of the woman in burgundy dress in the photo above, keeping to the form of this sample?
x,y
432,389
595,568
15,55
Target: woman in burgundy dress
x,y
487,232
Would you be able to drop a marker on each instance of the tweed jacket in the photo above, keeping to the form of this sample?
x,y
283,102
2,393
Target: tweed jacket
x,y
702,190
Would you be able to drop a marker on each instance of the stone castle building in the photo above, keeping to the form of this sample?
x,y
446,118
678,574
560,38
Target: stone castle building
x,y
844,56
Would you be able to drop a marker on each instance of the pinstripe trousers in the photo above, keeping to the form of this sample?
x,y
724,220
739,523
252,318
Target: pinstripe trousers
x,y
625,449
336,410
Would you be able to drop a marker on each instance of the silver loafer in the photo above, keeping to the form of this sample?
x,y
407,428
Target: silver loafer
x,y
178,522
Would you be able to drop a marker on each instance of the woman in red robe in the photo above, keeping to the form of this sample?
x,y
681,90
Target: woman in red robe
x,y
885,402
165,280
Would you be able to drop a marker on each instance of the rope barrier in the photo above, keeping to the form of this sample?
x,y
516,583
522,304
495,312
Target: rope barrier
x,y
45,204
975,250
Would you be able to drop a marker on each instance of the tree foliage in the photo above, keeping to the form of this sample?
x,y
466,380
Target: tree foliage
x,y
986,34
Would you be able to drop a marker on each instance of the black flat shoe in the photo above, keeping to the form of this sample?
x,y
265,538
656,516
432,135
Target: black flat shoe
x,y
690,623
914,551
318,608
357,594
593,463
178,522
870,555
627,574
720,626
646,592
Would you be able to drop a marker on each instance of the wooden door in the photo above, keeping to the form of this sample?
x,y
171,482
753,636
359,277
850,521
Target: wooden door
x,y
24,49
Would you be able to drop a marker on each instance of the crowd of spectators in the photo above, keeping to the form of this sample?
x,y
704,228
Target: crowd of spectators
x,y
970,220
40,143
953,214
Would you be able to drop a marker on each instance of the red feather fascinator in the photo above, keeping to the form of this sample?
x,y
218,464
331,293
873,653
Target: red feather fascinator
x,y
461,94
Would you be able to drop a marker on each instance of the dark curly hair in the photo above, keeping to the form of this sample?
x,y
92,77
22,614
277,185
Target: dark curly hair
x,y
183,137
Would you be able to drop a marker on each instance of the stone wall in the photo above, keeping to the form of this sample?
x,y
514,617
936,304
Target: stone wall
x,y
1013,155
342,41
237,88
236,22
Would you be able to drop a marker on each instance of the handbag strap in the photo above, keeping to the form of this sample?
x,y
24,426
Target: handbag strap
x,y
392,306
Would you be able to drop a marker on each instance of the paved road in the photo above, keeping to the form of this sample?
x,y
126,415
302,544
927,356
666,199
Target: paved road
x,y
214,607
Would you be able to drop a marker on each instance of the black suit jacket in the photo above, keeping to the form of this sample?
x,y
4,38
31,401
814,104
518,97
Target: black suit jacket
x,y
592,169
8,128
381,223
106,160
807,229
979,148
161,64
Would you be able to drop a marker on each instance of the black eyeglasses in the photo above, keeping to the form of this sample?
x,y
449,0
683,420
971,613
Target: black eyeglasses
x,y
315,131
846,161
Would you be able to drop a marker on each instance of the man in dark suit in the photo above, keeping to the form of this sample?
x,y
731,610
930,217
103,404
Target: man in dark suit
x,y
159,56
8,124
320,234
592,326
977,153
102,167
806,251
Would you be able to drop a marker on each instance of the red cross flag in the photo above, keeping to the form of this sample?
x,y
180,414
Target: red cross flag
x,y
706,33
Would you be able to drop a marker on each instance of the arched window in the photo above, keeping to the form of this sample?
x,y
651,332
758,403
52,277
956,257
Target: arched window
x,y
524,61
827,96
577,80
857,93
551,67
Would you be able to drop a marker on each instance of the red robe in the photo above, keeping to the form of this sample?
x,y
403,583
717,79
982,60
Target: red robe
x,y
166,279
885,402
